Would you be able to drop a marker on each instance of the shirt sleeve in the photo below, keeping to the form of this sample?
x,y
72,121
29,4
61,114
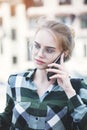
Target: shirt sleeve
x,y
78,107
6,116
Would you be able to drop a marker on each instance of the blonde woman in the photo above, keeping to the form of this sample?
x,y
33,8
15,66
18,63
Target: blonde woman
x,y
46,98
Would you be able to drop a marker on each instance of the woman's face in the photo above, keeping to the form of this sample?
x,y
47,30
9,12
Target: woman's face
x,y
45,49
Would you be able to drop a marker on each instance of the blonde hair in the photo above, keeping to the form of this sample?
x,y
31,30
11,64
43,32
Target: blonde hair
x,y
61,32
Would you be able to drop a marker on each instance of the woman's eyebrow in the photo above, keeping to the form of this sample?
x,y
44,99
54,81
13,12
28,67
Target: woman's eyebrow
x,y
46,46
36,42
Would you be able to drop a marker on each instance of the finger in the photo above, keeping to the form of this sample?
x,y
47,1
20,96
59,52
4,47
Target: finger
x,y
56,76
56,71
62,59
56,66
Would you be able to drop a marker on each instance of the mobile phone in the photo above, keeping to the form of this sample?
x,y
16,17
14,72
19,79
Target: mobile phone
x,y
57,60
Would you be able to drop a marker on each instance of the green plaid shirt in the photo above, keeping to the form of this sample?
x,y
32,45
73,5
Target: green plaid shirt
x,y
25,110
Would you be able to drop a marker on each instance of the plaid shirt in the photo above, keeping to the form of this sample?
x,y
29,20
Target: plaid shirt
x,y
25,110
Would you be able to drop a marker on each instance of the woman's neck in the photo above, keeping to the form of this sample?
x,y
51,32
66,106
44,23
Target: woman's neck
x,y
41,75
41,81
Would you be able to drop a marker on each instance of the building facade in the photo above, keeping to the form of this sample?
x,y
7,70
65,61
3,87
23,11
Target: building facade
x,y
17,28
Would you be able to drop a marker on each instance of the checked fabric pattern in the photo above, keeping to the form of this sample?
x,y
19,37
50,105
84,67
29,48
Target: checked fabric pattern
x,y
25,110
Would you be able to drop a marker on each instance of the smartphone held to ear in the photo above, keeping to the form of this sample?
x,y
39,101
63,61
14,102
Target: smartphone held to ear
x,y
49,74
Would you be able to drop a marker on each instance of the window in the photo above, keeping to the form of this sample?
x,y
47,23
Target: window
x,y
1,35
63,2
67,19
28,50
85,50
32,21
1,21
83,21
14,60
13,34
1,47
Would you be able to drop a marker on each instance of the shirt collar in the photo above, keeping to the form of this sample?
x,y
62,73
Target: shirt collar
x,y
30,74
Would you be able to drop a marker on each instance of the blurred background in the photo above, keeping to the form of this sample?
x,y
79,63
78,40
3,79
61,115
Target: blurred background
x,y
17,27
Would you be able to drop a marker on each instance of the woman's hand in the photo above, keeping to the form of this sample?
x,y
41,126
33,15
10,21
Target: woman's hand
x,y
62,77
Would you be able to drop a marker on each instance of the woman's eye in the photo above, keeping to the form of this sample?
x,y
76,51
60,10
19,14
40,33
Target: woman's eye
x,y
49,50
37,46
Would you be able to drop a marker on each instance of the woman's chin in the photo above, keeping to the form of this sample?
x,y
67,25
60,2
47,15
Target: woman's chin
x,y
40,67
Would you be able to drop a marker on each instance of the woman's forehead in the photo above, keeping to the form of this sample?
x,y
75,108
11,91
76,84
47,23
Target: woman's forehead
x,y
44,36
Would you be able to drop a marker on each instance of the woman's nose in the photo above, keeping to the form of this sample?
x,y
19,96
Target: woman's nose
x,y
41,53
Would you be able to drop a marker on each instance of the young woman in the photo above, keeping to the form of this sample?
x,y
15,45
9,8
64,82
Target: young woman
x,y
46,98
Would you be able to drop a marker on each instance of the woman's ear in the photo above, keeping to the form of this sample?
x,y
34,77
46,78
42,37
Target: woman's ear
x,y
66,53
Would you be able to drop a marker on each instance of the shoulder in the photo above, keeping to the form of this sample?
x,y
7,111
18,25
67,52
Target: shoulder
x,y
78,84
13,78
81,88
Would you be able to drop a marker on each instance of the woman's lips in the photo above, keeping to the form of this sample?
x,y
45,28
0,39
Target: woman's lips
x,y
39,61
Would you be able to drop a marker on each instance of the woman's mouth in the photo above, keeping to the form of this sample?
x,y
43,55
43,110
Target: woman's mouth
x,y
40,62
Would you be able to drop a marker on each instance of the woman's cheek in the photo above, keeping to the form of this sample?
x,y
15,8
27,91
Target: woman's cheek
x,y
34,54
